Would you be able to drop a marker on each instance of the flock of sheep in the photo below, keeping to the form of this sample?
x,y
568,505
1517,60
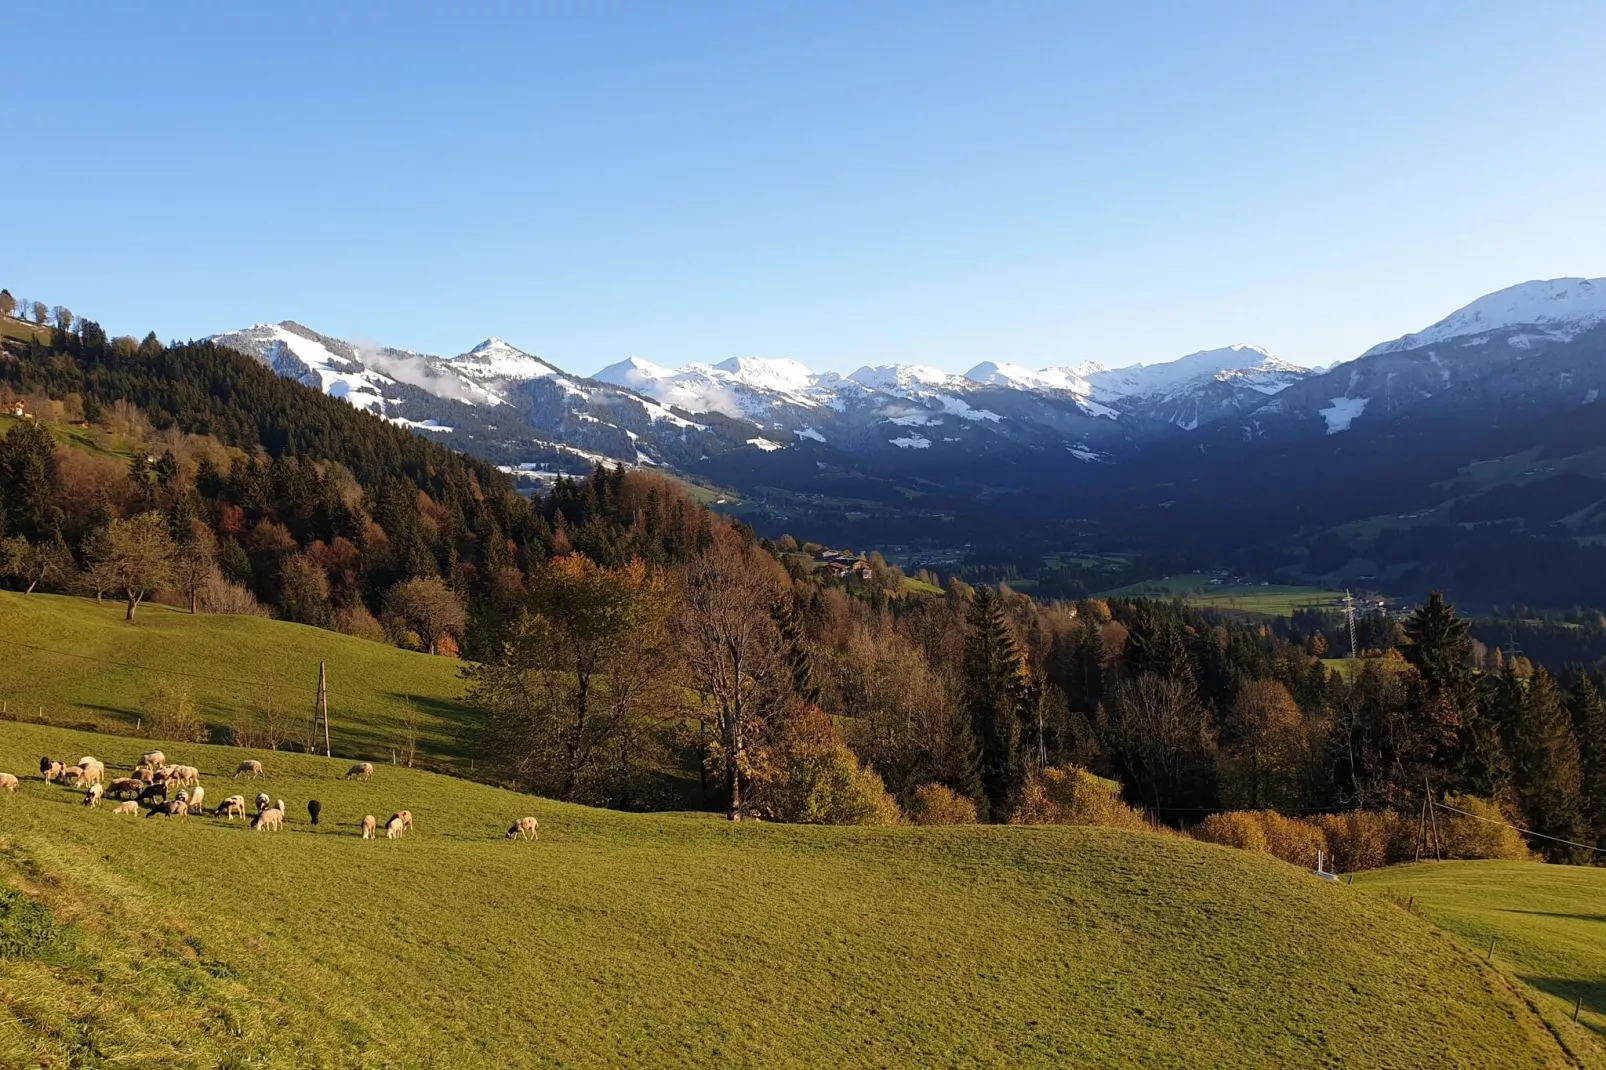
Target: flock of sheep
x,y
153,778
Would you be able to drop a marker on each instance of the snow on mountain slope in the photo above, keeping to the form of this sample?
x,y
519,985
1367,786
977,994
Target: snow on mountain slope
x,y
1249,365
321,363
494,359
1559,309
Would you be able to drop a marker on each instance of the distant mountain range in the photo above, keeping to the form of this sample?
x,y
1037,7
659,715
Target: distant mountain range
x,y
1483,426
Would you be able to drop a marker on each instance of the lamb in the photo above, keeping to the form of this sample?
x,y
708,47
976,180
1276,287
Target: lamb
x,y
262,801
232,807
362,770
368,826
129,807
125,784
269,820
144,774
394,827
153,758
250,767
8,782
51,769
525,828
196,797
92,796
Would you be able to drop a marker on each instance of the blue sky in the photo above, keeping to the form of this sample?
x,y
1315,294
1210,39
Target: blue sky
x,y
838,183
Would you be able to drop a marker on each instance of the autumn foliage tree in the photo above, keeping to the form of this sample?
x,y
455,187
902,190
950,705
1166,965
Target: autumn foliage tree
x,y
132,556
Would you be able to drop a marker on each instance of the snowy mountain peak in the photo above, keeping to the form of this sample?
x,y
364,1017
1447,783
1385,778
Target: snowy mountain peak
x,y
1559,309
496,359
768,373
893,378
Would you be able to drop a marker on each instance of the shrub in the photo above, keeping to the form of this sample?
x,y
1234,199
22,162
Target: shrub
x,y
1291,839
170,714
1469,837
218,595
358,622
1364,839
1238,828
1073,796
828,786
934,804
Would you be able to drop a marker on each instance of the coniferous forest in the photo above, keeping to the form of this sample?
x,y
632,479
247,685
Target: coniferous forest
x,y
618,635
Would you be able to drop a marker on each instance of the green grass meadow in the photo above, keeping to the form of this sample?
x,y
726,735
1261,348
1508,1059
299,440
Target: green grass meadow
x,y
682,940
1272,600
1548,924
70,661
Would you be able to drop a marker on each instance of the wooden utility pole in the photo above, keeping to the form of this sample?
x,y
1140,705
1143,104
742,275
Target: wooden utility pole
x,y
321,712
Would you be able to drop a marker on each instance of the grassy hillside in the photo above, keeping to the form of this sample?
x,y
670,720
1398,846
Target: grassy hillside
x,y
680,940
70,661
1548,924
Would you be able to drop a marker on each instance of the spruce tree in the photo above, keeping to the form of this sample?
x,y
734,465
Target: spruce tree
x,y
1589,727
993,695
1545,767
1441,650
1158,645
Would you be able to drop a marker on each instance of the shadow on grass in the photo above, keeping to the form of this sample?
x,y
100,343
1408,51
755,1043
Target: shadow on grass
x,y
1557,914
1590,995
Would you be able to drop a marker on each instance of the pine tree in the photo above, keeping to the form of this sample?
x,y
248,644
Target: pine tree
x,y
993,695
1158,645
1589,727
1545,767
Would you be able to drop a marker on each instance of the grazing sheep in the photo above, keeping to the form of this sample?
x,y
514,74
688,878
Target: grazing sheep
x,y
232,807
314,808
125,785
363,770
250,767
262,801
268,820
368,826
144,774
196,797
176,807
90,771
8,782
92,796
129,807
525,828
394,827
182,774
153,758
155,793
51,769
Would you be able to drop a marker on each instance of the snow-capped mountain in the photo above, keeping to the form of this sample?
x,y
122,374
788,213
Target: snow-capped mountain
x,y
1530,346
1198,389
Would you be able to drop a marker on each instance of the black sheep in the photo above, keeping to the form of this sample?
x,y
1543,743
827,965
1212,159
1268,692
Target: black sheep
x,y
314,808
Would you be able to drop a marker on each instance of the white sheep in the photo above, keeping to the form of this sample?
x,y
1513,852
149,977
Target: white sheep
x,y
525,828
129,807
144,774
92,796
232,807
394,827
90,771
182,774
8,782
262,801
153,758
362,770
250,767
197,797
271,820
368,826
176,807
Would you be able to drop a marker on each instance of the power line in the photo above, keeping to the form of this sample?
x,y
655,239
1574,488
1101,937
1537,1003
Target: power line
x,y
1525,832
